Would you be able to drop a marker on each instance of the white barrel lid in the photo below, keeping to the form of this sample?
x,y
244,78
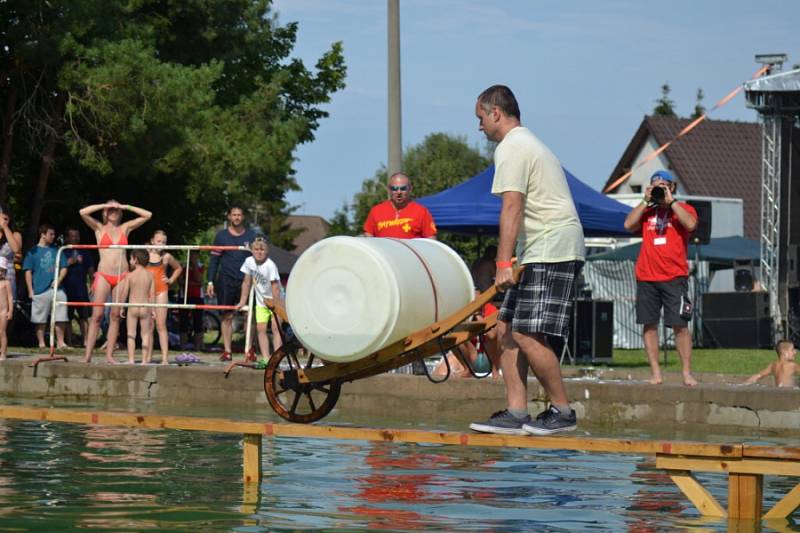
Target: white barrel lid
x,y
342,299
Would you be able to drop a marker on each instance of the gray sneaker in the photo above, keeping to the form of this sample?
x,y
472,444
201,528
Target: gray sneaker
x,y
550,421
503,423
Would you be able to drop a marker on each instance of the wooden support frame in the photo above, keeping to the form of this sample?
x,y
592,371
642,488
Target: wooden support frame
x,y
745,465
745,480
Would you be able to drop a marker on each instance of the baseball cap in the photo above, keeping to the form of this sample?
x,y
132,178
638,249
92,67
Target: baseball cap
x,y
662,174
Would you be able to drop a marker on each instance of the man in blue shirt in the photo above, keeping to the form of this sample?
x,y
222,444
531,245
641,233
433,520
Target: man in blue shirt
x,y
224,274
40,267
80,267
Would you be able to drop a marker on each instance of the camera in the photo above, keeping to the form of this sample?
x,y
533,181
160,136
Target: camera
x,y
657,194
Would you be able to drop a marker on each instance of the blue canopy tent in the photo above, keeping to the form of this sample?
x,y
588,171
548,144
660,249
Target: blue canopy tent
x,y
471,208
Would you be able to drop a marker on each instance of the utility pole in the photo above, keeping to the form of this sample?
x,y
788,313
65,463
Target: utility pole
x,y
395,163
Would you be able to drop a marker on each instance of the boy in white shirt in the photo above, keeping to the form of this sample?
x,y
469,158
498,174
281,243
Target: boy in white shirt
x,y
262,271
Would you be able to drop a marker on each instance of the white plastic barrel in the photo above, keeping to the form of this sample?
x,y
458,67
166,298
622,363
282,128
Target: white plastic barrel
x,y
348,297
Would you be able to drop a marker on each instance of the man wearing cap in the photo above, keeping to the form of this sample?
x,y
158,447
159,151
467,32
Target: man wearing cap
x,y
662,270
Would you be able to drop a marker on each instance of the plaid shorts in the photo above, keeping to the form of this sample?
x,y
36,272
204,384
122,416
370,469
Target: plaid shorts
x,y
542,300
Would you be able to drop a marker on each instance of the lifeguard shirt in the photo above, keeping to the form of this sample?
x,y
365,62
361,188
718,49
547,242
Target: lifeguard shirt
x,y
664,241
410,222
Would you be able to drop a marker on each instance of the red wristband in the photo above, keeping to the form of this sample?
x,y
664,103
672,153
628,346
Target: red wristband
x,y
503,264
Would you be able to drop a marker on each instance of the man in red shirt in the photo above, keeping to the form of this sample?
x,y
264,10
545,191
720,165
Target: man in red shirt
x,y
662,269
399,216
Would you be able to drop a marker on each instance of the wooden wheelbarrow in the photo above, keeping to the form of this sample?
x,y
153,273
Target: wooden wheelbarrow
x,y
300,387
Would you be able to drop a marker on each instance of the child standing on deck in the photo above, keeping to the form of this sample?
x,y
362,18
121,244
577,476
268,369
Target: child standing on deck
x,y
6,307
139,288
262,271
157,262
783,370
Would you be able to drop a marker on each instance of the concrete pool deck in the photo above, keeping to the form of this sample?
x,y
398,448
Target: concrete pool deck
x,y
603,396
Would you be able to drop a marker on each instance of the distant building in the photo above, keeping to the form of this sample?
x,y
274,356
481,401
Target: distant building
x,y
314,229
718,158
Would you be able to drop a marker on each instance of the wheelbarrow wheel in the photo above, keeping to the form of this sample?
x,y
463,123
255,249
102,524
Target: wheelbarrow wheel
x,y
289,398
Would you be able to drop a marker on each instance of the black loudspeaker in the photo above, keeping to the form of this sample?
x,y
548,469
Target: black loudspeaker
x,y
737,332
743,275
591,336
702,234
724,305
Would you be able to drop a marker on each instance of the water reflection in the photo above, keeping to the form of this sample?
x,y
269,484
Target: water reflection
x,y
59,476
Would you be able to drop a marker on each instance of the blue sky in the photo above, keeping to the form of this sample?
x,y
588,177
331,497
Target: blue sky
x,y
585,73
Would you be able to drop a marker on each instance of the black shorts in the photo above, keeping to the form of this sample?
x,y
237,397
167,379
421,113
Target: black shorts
x,y
228,290
651,296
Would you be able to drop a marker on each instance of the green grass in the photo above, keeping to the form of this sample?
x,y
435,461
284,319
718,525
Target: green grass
x,y
721,361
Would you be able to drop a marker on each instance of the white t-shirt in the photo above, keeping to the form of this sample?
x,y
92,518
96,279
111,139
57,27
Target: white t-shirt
x,y
263,275
551,231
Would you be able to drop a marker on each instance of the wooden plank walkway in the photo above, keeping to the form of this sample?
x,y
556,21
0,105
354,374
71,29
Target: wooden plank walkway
x,y
744,464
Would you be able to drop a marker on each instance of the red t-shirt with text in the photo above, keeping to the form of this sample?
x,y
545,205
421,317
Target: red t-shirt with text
x,y
410,222
664,243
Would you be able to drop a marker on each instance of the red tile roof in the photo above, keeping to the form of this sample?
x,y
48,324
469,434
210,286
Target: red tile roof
x,y
717,158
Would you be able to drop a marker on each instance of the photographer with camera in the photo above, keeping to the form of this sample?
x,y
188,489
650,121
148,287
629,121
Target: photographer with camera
x,y
662,270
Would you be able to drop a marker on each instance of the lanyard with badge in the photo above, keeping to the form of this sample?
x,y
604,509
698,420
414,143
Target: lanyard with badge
x,y
662,221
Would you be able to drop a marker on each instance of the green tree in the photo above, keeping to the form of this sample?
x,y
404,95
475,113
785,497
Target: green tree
x,y
341,223
665,105
699,109
181,107
440,161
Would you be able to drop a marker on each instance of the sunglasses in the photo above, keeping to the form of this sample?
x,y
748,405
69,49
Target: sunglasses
x,y
395,188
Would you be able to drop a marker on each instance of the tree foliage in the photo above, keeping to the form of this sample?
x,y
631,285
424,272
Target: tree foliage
x,y
440,161
699,109
665,107
180,106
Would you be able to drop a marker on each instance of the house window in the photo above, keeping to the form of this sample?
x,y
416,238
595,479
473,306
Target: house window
x,y
636,188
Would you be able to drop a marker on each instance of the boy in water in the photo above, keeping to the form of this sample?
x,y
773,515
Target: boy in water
x,y
139,288
783,370
6,307
263,272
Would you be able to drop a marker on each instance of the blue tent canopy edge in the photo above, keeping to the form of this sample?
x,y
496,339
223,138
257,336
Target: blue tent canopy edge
x,y
471,208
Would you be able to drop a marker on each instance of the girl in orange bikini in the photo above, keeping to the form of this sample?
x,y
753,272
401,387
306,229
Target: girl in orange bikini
x,y
111,268
157,265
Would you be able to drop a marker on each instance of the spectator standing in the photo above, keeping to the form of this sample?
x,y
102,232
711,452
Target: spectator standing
x,y
158,261
224,272
112,267
399,216
662,269
80,269
139,288
538,213
262,272
6,308
40,275
10,249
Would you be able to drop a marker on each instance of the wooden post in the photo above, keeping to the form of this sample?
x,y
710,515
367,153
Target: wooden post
x,y
745,495
251,445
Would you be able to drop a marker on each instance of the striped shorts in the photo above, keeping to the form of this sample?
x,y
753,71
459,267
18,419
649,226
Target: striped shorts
x,y
542,300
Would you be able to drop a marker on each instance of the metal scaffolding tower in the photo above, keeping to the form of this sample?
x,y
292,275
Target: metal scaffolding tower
x,y
770,213
776,97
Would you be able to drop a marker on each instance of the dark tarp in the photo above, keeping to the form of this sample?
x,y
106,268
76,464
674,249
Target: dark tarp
x,y
720,252
471,208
